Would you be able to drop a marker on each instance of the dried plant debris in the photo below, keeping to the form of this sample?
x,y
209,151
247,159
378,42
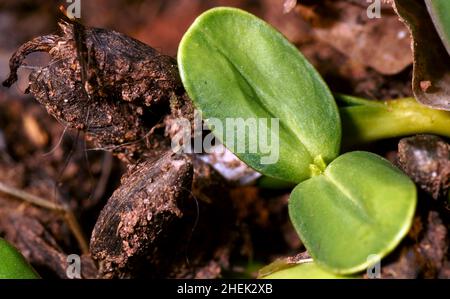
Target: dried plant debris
x,y
167,219
40,234
382,43
431,76
139,214
426,159
115,88
128,97
39,246
208,233
284,263
424,253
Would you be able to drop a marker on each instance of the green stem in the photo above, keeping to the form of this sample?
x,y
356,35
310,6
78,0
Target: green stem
x,y
365,121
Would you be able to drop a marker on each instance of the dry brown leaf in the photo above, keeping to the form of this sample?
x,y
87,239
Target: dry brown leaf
x,y
380,43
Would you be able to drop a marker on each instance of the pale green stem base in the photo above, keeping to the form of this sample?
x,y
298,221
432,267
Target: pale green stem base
x,y
365,121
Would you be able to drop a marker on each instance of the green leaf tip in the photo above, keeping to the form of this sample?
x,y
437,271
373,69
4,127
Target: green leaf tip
x,y
13,265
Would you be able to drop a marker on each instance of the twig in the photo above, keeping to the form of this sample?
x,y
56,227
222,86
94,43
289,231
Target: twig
x,y
104,177
75,227
70,218
33,199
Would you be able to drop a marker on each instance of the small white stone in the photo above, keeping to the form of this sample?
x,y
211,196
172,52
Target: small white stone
x,y
401,34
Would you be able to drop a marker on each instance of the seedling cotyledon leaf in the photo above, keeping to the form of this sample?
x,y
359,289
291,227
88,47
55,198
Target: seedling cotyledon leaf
x,y
236,66
359,207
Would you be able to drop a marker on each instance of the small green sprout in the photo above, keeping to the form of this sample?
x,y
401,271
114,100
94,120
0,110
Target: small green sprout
x,y
344,208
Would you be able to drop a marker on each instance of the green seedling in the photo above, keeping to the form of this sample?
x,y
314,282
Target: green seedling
x,y
344,208
359,205
13,265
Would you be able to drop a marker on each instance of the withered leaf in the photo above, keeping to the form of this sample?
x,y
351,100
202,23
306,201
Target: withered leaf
x,y
380,43
115,88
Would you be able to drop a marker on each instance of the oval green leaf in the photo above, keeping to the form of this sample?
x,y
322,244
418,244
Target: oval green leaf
x,y
235,66
358,209
304,271
13,265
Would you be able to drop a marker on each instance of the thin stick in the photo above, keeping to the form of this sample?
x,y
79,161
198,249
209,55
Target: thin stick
x,y
104,177
70,218
75,227
33,199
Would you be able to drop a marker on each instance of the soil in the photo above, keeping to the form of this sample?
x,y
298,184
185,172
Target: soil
x,y
91,132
